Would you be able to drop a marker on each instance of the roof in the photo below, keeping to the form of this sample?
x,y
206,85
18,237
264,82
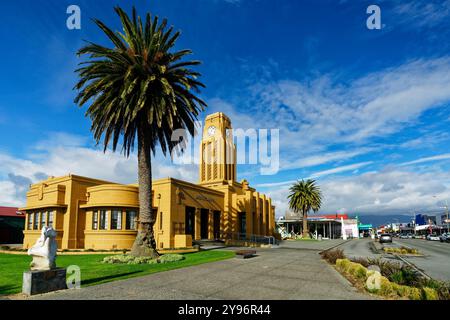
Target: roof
x,y
11,212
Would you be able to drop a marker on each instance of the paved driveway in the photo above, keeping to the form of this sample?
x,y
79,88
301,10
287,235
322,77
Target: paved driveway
x,y
289,272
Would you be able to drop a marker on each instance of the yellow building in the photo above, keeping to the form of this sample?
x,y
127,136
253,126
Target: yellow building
x,y
94,214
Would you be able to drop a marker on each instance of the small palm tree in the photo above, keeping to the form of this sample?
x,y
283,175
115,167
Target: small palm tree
x,y
305,196
139,90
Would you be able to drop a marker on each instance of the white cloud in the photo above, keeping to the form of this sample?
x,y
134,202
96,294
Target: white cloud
x,y
420,13
320,114
324,158
445,156
341,169
390,191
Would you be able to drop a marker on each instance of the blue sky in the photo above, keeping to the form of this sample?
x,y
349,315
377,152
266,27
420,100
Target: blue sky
x,y
365,112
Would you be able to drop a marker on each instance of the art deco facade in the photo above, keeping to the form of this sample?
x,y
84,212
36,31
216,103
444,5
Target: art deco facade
x,y
94,214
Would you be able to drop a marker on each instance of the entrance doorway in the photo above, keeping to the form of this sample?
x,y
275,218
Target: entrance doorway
x,y
204,219
190,221
216,229
242,223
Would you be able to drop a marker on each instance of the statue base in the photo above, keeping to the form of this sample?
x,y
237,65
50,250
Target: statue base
x,y
37,282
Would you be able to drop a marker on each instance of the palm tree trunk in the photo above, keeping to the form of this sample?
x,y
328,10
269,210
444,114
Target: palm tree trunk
x,y
145,244
305,224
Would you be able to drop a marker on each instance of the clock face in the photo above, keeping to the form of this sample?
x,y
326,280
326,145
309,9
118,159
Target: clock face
x,y
211,130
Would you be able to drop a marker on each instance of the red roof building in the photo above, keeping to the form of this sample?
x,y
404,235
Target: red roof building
x,y
11,212
12,223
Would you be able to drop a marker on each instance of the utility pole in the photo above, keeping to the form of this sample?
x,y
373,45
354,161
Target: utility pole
x,y
448,221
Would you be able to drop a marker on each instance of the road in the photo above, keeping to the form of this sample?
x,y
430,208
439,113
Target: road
x,y
435,261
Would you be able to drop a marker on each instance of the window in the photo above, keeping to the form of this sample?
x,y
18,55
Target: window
x,y
116,219
95,220
160,221
36,221
50,219
131,220
103,219
30,221
42,214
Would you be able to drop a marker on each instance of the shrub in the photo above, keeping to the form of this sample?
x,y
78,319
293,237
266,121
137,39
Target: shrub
x,y
442,288
362,261
401,250
360,272
429,294
387,288
332,255
343,264
129,259
171,257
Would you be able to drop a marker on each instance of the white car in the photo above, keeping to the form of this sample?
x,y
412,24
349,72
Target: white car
x,y
433,237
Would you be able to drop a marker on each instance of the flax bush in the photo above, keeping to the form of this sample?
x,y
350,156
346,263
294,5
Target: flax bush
x,y
332,255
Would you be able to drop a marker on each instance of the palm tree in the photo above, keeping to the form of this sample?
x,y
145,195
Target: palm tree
x,y
139,90
305,196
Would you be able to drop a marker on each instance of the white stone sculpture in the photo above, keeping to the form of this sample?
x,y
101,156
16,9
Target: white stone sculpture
x,y
44,250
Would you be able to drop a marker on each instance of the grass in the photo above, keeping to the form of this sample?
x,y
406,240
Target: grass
x,y
94,272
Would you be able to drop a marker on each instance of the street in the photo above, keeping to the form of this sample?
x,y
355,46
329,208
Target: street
x,y
435,261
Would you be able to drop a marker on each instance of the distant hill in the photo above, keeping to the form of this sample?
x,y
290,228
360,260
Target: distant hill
x,y
378,220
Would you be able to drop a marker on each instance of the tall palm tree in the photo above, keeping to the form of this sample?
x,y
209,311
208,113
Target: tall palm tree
x,y
305,196
139,89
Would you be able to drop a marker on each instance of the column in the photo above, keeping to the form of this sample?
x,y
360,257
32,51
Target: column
x,y
211,225
257,215
197,228
271,218
329,229
248,213
264,213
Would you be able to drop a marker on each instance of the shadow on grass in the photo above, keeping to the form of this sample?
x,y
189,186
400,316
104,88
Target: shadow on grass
x,y
8,289
106,278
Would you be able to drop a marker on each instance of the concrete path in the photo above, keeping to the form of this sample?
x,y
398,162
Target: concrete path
x,y
289,272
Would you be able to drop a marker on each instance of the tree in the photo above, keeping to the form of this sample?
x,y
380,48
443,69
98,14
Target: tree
x,y
139,90
305,196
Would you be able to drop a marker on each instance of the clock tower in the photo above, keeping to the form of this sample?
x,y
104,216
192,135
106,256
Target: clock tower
x,y
217,151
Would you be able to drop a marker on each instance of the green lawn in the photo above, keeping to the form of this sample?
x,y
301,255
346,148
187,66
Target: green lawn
x,y
93,271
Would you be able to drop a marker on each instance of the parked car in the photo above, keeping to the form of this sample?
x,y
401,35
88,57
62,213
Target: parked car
x,y
433,237
406,236
385,237
445,237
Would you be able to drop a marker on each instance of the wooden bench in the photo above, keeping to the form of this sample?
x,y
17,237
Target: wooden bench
x,y
245,254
